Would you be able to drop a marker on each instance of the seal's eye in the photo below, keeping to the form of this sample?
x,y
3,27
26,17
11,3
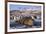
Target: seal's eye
x,y
35,17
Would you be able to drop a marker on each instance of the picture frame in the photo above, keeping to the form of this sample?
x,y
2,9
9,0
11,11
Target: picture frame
x,y
19,3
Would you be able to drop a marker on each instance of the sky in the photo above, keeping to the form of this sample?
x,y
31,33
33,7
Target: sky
x,y
23,7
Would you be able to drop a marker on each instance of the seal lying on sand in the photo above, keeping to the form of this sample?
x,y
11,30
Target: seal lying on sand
x,y
26,21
